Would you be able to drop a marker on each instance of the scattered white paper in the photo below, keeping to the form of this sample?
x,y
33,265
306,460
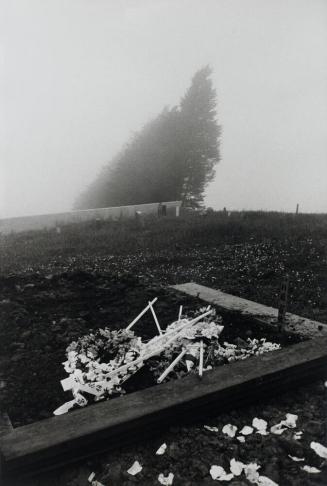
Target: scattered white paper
x,y
64,408
311,470
290,421
91,477
218,473
296,459
247,430
325,384
236,467
230,430
261,426
264,481
278,429
166,480
135,469
298,435
319,449
240,438
162,449
212,429
251,472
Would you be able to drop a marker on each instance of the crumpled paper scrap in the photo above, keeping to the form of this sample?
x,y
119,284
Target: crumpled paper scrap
x,y
240,438
229,430
218,473
311,469
135,468
162,449
166,480
212,429
236,467
247,430
298,435
289,423
319,449
296,459
261,426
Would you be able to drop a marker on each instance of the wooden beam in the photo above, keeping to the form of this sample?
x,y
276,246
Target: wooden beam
x,y
110,424
253,310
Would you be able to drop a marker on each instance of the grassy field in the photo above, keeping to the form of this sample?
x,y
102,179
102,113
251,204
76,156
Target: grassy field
x,y
245,253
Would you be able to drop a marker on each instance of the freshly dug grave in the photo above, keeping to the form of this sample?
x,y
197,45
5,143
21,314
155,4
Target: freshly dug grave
x,y
41,315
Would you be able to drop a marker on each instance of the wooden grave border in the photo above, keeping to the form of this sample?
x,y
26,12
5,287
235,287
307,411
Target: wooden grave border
x,y
107,425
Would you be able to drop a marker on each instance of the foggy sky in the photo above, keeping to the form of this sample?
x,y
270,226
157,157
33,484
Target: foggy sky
x,y
79,77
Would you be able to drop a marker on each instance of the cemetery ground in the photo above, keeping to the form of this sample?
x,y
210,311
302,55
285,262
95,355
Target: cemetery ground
x,y
56,286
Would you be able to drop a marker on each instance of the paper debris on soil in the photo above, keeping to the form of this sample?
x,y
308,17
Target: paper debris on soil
x,y
311,469
319,449
278,429
290,421
212,429
264,481
247,430
229,430
296,459
218,473
251,472
162,449
240,438
91,477
64,408
298,435
135,469
236,467
166,480
261,426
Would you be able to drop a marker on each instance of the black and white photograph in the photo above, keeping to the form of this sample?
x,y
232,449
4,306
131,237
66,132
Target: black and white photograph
x,y
163,242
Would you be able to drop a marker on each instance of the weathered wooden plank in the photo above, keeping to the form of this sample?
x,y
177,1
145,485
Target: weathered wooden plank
x,y
249,309
109,424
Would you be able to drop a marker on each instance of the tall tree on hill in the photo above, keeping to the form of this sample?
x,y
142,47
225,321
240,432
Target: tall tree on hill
x,y
171,158
200,137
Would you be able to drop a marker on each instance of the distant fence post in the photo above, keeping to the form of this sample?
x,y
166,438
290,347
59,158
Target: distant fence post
x,y
297,209
283,296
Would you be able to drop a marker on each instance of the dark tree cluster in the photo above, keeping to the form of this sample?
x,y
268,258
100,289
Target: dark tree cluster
x,y
172,158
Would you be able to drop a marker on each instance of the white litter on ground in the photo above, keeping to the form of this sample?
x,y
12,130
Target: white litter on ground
x,y
229,430
236,467
218,473
264,481
162,449
240,438
289,423
251,472
296,459
135,469
277,429
319,449
166,480
311,470
212,429
261,426
247,430
91,477
298,435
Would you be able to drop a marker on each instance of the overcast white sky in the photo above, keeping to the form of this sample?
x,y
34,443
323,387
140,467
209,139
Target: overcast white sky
x,y
78,77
